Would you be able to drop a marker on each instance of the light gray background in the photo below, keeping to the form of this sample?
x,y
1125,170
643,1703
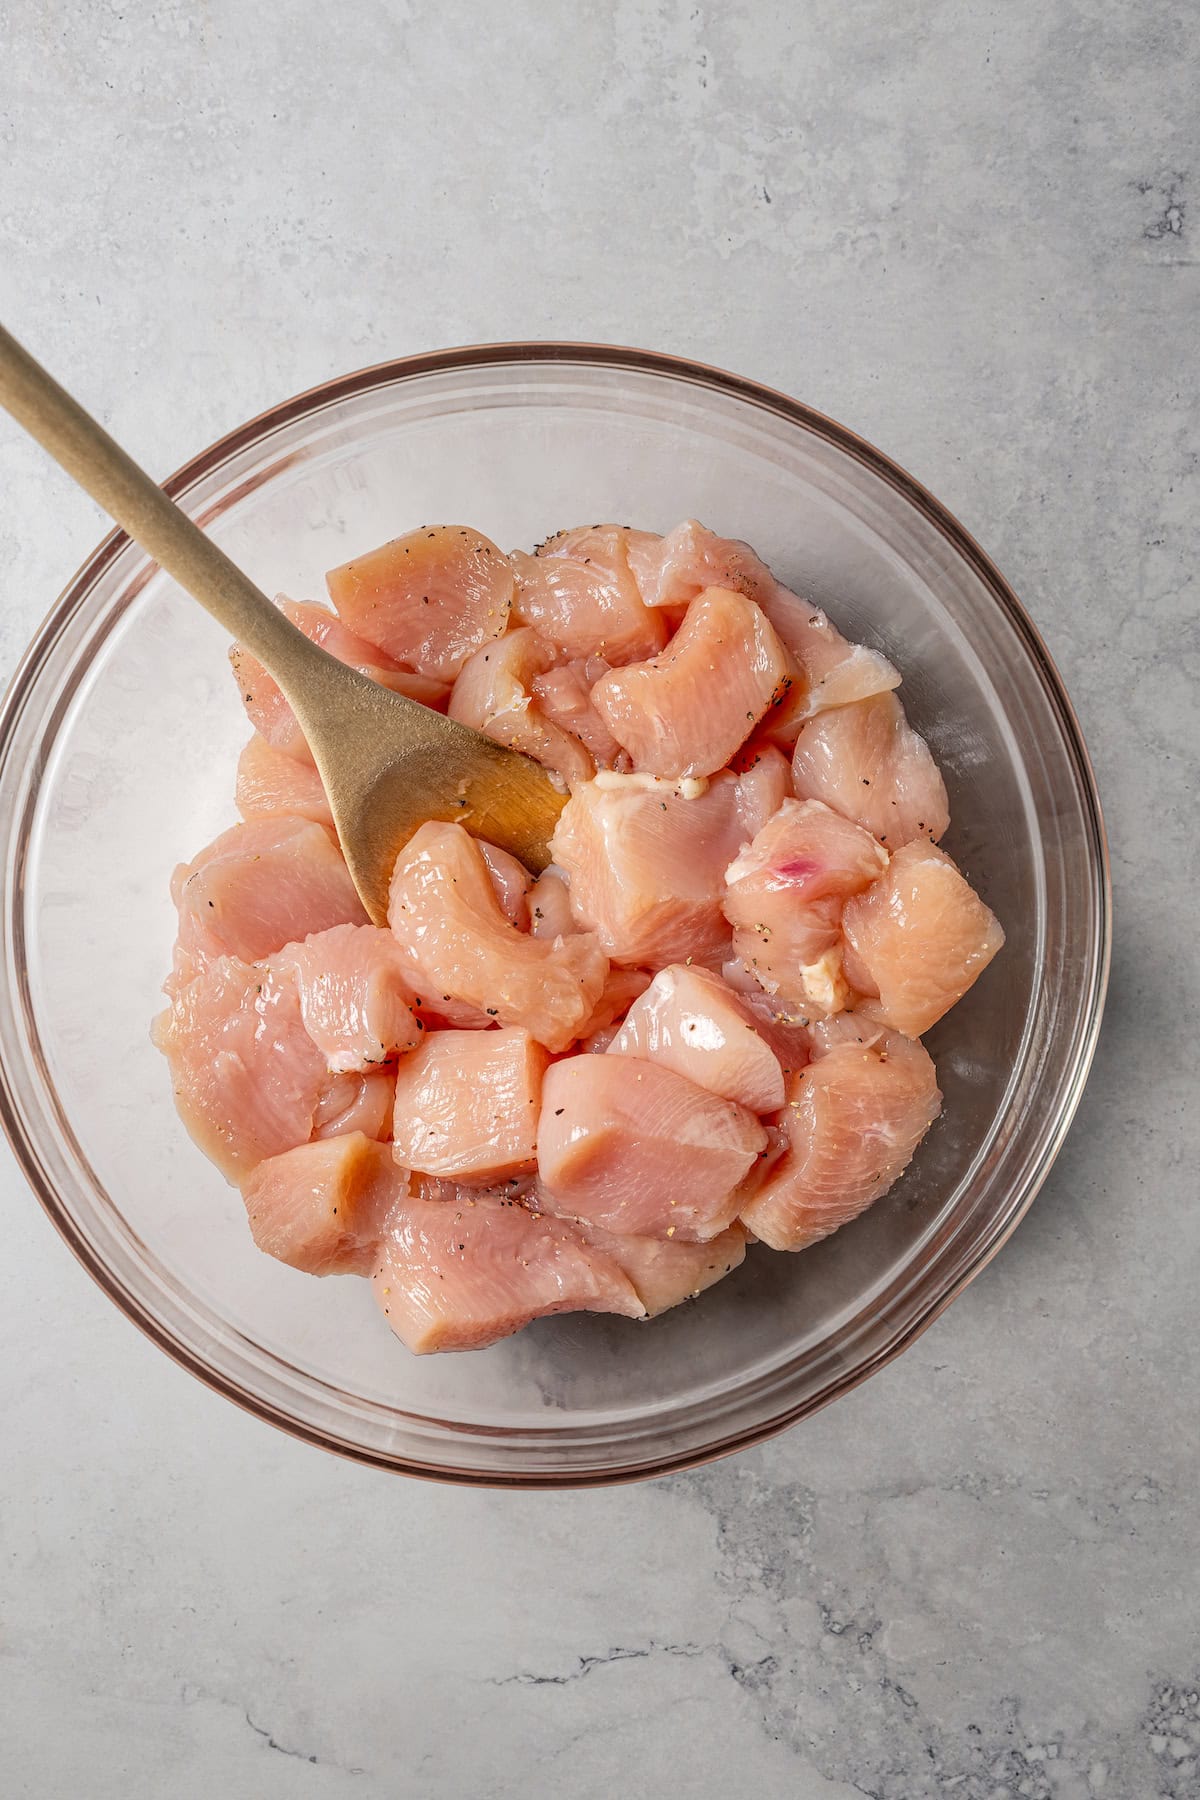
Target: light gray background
x,y
973,233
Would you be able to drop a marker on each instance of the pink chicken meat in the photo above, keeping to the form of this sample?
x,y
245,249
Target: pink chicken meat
x,y
851,1123
636,1148
689,1021
259,886
460,1273
698,1028
322,1207
645,860
354,999
579,594
459,944
467,1104
867,762
692,707
784,896
917,939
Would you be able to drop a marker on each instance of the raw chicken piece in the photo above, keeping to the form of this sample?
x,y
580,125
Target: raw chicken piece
x,y
689,1021
467,1104
622,1188
690,708
357,1103
737,977
579,593
248,1078
265,705
786,1029
263,884
354,995
621,988
784,897
868,763
461,1274
459,945
635,1148
852,1122
918,939
827,671
443,1187
550,913
667,1271
429,598
764,783
493,694
322,1207
272,781
672,570
511,882
646,865
564,696
843,1028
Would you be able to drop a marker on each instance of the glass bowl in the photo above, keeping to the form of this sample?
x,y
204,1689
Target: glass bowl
x,y
117,747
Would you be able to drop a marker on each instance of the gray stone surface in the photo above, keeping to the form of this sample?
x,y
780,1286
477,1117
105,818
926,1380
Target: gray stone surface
x,y
972,232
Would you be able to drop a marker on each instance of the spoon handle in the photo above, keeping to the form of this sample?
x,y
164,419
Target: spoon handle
x,y
87,453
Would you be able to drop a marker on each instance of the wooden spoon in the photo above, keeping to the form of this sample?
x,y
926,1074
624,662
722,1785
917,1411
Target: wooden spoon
x,y
387,762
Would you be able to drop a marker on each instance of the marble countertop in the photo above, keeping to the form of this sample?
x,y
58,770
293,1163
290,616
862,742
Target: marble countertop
x,y
968,232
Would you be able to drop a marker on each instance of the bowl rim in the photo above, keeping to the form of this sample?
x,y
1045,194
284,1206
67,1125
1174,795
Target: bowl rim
x,y
705,376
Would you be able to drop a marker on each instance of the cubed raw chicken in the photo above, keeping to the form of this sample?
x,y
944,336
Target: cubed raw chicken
x,y
272,781
621,989
868,763
322,1207
646,864
635,1148
580,595
265,705
784,897
784,1026
354,995
852,1121
918,939
564,696
843,1028
689,1021
360,1102
549,899
248,1078
477,1104
460,946
430,598
673,570
467,1104
687,710
459,1274
265,883
666,1271
828,669
511,882
494,694
764,782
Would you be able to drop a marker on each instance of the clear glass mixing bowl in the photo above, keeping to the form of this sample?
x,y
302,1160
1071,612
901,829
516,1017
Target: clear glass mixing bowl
x,y
117,747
